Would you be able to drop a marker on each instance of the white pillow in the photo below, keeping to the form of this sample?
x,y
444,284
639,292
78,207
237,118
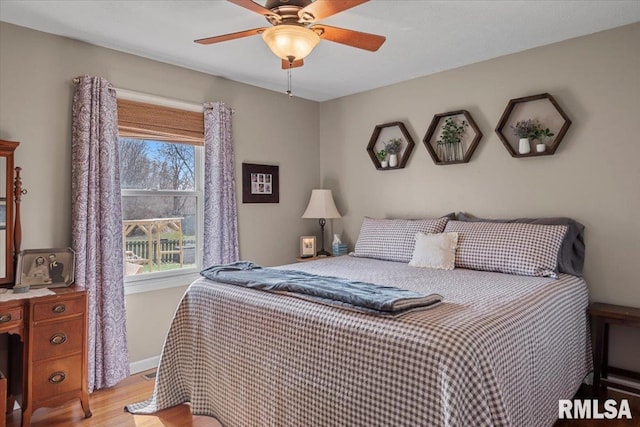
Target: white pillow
x,y
435,251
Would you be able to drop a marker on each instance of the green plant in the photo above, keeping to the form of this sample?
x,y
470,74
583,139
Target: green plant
x,y
531,129
452,131
381,155
540,134
393,146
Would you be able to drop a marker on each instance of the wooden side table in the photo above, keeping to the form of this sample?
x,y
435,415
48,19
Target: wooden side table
x,y
602,315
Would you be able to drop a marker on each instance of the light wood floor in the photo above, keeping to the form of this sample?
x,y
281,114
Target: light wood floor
x,y
108,410
107,407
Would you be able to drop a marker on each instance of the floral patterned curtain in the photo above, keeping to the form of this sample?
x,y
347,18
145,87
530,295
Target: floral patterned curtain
x,y
220,212
97,227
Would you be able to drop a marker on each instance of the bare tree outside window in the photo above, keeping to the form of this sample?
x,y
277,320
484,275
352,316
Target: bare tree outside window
x,y
136,168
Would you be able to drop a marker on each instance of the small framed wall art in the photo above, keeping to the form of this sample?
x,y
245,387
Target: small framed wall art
x,y
307,246
260,183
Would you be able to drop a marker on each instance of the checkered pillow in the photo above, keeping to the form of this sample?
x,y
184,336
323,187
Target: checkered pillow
x,y
512,248
393,239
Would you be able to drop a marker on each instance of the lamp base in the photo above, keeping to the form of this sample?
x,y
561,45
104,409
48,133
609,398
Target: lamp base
x,y
322,252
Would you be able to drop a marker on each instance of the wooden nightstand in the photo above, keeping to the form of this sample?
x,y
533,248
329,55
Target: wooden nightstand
x,y
313,258
602,315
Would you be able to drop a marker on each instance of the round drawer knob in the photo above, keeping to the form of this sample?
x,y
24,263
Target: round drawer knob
x,y
5,318
58,339
59,308
57,377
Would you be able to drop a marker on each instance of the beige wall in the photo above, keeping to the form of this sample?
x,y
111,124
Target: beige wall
x,y
36,72
594,176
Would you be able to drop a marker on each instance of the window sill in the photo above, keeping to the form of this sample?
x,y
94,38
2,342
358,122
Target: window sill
x,y
156,283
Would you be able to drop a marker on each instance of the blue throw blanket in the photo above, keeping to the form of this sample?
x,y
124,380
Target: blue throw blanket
x,y
361,296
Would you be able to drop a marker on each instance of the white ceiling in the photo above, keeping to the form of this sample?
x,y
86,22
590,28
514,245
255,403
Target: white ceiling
x,y
423,37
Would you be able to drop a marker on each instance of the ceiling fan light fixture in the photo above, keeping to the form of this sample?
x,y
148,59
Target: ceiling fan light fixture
x,y
287,41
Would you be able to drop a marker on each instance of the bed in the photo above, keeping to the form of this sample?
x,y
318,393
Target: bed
x,y
500,350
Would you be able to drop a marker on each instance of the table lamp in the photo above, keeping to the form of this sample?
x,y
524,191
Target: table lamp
x,y
321,206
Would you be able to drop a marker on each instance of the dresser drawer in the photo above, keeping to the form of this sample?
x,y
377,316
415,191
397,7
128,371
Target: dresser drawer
x,y
57,308
56,377
56,339
10,317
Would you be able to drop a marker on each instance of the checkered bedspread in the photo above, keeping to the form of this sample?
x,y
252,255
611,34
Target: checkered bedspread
x,y
499,351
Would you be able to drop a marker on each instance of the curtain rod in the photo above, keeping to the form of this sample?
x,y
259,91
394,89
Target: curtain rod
x,y
142,97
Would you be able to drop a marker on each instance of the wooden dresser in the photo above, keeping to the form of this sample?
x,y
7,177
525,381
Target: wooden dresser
x,y
51,335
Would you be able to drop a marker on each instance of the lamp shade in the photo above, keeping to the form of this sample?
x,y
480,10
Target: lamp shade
x,y
321,205
290,41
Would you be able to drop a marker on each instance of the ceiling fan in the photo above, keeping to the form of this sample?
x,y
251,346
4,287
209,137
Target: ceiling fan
x,y
294,32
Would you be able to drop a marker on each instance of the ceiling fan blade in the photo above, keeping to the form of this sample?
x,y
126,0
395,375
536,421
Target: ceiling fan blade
x,y
297,63
321,9
253,6
231,36
366,41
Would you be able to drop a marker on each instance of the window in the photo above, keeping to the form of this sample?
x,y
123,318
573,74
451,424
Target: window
x,y
161,179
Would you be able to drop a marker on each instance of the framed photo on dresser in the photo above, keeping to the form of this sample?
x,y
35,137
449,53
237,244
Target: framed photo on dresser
x,y
46,268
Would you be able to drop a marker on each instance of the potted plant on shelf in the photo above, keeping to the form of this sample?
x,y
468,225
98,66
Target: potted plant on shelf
x,y
523,130
392,147
528,130
382,156
450,142
541,135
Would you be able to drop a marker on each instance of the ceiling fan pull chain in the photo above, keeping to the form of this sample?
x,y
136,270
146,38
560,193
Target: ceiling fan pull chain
x,y
289,92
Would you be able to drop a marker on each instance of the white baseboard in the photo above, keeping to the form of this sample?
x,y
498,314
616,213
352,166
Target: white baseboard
x,y
143,365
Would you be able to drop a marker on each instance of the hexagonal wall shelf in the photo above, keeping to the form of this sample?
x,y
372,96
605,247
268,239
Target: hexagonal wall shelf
x,y
463,152
541,107
387,131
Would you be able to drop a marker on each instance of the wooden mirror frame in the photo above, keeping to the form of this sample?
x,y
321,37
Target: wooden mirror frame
x,y
7,149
